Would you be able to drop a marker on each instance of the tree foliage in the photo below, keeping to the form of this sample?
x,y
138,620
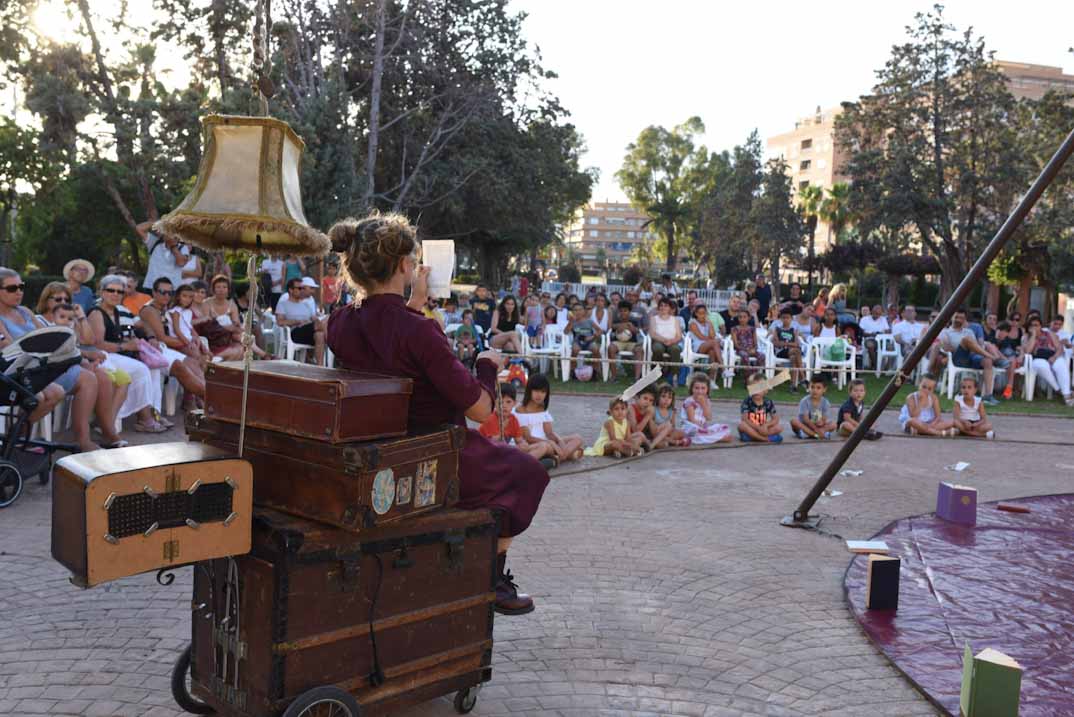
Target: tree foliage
x,y
464,138
931,147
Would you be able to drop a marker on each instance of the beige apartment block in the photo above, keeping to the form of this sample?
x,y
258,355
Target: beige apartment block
x,y
1026,80
603,234
812,157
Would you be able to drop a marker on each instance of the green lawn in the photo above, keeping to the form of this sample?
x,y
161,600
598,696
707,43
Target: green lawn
x,y
874,386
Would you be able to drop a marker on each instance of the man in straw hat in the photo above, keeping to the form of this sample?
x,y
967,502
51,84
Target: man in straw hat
x,y
78,272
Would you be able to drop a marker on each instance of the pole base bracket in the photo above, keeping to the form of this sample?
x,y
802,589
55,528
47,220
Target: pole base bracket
x,y
811,522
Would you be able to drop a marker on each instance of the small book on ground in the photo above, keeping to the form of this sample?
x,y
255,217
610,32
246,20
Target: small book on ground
x,y
957,503
991,684
882,582
867,546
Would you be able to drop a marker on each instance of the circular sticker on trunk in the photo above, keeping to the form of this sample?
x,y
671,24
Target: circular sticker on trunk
x,y
383,491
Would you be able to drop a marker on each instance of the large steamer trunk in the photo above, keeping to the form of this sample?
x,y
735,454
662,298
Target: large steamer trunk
x,y
355,486
395,615
324,404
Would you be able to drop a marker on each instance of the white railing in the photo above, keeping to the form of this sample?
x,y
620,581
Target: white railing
x,y
716,299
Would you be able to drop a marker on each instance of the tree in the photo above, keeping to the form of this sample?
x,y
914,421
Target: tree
x,y
727,232
835,210
931,147
779,229
23,166
662,174
809,200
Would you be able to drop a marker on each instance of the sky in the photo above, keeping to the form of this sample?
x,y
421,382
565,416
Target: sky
x,y
626,64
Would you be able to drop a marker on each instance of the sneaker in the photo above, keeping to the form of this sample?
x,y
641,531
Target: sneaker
x,y
990,435
990,400
548,463
775,439
1008,391
799,435
509,601
951,432
872,435
827,435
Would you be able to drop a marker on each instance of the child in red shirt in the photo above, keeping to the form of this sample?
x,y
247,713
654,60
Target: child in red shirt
x,y
513,433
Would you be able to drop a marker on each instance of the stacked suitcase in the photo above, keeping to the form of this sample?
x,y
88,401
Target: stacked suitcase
x,y
362,575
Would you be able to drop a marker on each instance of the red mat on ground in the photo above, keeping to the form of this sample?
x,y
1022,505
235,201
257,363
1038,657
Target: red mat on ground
x,y
1007,583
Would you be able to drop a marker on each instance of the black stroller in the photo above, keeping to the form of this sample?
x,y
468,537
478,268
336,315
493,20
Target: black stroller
x,y
28,366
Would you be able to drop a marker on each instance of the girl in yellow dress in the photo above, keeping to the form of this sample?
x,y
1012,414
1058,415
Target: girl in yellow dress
x,y
615,438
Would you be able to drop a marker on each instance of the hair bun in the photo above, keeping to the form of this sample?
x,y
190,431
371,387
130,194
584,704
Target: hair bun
x,y
343,234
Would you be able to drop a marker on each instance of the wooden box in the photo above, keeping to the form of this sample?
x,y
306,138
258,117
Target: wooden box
x,y
324,404
353,485
125,511
307,605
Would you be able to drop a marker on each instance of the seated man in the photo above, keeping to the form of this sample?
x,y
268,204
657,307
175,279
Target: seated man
x,y
872,324
184,369
907,331
967,352
301,316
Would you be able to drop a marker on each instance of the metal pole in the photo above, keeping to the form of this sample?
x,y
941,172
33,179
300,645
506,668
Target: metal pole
x,y
1055,164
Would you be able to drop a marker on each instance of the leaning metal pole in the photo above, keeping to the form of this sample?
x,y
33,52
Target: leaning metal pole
x,y
801,518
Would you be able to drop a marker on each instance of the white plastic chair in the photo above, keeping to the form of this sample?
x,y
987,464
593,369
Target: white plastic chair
x,y
291,350
818,361
771,361
951,372
554,347
887,347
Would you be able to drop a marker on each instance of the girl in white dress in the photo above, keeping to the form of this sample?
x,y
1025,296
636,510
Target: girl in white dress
x,y
533,416
970,417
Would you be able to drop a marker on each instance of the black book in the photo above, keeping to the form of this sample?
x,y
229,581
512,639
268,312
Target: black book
x,y
882,583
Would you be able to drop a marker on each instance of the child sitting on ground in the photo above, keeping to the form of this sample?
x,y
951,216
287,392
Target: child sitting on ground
x,y
812,420
695,416
466,339
852,411
533,416
665,433
970,417
921,412
616,438
641,414
513,433
759,419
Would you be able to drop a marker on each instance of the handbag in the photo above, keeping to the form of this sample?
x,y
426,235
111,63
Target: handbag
x,y
150,355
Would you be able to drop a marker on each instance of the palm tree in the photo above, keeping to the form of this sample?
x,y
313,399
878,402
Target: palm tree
x,y
810,198
835,209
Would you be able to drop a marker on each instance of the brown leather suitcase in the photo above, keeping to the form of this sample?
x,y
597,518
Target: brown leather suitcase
x,y
350,485
125,511
324,404
396,616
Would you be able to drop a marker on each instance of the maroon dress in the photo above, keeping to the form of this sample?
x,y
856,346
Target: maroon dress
x,y
386,336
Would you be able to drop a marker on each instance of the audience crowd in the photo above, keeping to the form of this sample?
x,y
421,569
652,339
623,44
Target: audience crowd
x,y
137,333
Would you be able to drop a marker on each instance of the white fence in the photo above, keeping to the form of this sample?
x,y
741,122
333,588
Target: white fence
x,y
715,299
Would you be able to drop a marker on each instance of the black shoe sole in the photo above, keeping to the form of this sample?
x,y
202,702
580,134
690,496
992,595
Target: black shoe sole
x,y
516,611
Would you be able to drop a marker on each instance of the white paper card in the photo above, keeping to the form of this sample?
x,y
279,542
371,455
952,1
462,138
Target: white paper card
x,y
439,255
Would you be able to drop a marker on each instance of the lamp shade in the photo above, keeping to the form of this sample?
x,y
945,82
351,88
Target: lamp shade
x,y
248,193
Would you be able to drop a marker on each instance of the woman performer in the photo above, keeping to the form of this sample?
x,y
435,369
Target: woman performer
x,y
387,335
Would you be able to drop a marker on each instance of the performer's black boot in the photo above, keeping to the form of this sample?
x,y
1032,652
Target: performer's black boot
x,y
509,601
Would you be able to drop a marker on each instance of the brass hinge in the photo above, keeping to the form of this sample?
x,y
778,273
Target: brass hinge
x,y
171,483
171,550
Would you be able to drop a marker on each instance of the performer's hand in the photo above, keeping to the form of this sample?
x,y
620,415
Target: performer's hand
x,y
495,356
419,290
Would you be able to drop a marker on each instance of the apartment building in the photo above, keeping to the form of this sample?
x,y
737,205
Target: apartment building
x,y
603,234
1026,80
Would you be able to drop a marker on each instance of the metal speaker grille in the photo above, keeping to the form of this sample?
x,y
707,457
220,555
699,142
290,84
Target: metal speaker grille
x,y
136,513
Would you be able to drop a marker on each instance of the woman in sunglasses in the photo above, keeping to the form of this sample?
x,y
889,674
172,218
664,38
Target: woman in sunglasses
x,y
17,321
54,308
108,336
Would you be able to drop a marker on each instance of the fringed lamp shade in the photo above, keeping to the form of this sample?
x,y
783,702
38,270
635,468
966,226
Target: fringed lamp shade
x,y
248,194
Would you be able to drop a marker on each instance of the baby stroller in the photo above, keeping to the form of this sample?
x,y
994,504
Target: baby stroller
x,y
28,366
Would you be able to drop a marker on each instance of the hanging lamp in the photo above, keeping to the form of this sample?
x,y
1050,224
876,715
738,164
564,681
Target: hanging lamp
x,y
248,192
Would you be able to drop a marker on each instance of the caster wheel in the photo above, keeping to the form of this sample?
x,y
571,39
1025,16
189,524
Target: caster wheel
x,y
181,687
466,700
324,702
10,483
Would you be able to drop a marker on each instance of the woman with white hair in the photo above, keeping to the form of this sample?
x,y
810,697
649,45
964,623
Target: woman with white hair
x,y
108,336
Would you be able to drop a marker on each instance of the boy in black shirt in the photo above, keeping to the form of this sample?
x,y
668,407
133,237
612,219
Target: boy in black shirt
x,y
759,420
785,342
853,410
482,304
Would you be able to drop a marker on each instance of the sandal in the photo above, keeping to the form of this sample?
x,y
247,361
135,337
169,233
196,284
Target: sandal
x,y
117,444
154,427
